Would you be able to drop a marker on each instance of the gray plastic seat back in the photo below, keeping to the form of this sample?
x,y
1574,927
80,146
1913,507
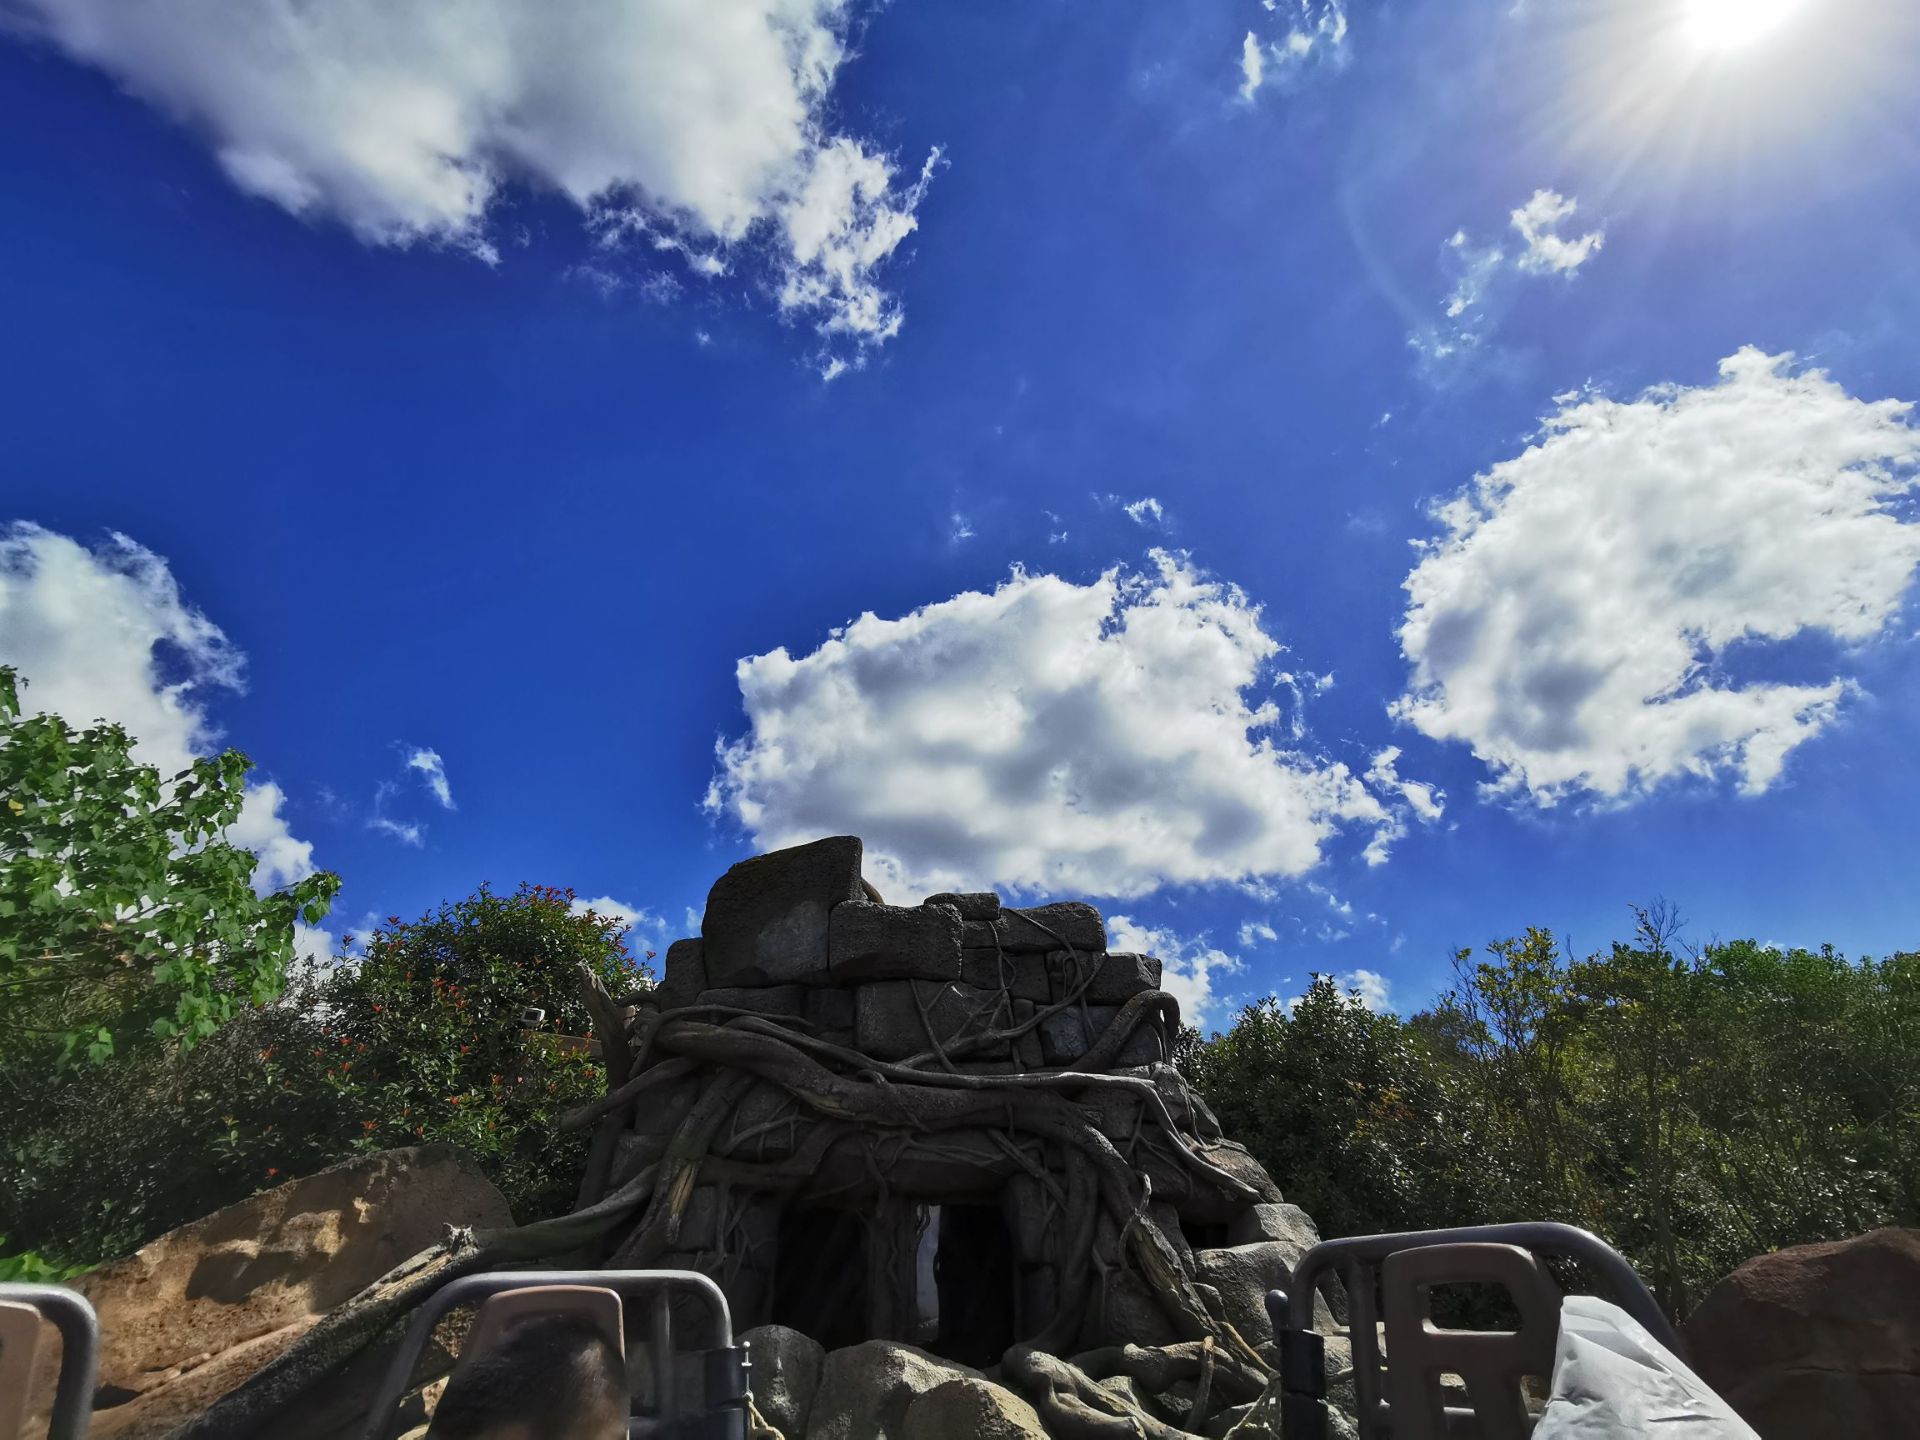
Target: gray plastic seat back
x,y
1492,1363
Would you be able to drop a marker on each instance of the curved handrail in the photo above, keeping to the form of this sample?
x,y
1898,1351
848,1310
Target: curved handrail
x,y
1545,1236
72,1314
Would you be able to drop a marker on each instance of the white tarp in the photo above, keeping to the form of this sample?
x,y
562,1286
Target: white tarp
x,y
1614,1381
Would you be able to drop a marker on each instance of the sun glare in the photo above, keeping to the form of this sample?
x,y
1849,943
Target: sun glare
x,y
1731,24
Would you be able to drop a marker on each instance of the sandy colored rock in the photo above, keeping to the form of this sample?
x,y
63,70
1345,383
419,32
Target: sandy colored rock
x,y
195,1312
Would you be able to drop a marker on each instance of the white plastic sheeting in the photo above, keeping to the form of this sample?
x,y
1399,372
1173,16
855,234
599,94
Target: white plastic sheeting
x,y
1614,1381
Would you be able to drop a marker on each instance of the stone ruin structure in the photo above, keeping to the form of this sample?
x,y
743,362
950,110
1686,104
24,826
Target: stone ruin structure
x,y
954,1124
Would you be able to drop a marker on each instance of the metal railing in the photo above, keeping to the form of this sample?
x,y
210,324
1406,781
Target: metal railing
x,y
70,1313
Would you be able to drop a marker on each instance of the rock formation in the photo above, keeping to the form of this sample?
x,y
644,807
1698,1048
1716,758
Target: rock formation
x,y
952,1124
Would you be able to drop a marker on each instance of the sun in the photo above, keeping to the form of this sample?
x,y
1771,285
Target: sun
x,y
1733,24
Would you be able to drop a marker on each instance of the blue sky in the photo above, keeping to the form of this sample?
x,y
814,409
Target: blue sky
x,y
452,399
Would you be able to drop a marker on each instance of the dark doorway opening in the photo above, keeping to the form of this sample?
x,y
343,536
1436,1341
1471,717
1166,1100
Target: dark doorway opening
x,y
820,1275
973,1268
1203,1235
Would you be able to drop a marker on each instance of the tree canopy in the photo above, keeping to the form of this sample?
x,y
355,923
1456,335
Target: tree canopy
x,y
124,910
1694,1107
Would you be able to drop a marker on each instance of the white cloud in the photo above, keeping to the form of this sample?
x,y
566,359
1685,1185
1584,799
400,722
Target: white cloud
x,y
702,127
1584,619
1094,739
1426,802
959,528
1146,511
1187,966
1316,37
105,634
1549,252
1482,271
404,831
1369,987
1253,66
433,774
1299,688
310,942
1255,932
646,930
1476,268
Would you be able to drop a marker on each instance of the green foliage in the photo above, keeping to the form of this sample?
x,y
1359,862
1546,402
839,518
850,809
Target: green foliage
x,y
418,1041
1693,1108
124,913
423,1039
28,1268
1338,1102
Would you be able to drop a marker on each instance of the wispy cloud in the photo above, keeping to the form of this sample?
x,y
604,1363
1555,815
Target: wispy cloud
x,y
1315,38
433,774
401,830
1483,272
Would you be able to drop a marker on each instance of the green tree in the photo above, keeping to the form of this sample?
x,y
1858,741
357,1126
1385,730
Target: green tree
x,y
1341,1105
420,1039
1693,1107
428,1037
124,911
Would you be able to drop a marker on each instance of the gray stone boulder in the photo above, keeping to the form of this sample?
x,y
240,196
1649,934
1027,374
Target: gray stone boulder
x,y
1287,1224
785,1376
972,1410
767,918
893,942
866,1390
1070,1033
1023,976
1243,1274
